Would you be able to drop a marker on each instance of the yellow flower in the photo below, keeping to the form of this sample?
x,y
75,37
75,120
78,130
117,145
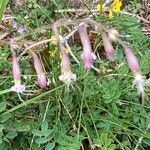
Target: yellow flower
x,y
110,14
114,7
52,53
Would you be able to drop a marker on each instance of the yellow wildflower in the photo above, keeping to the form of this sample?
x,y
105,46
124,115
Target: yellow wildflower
x,y
114,7
110,14
52,53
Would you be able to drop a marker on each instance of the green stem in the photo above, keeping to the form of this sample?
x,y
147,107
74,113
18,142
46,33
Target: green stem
x,y
31,101
3,5
5,91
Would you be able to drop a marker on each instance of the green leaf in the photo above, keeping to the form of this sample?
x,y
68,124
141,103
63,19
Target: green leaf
x,y
104,148
107,142
11,135
42,140
4,117
44,126
1,140
2,106
47,133
3,146
37,133
112,147
1,127
107,100
103,138
136,119
50,146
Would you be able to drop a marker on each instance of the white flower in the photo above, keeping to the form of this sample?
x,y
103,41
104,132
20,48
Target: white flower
x,y
139,82
67,77
18,87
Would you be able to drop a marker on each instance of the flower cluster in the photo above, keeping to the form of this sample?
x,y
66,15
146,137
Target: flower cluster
x,y
18,87
108,36
67,76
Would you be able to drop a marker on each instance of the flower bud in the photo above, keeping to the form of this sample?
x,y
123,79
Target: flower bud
x,y
16,71
88,55
15,68
135,68
42,81
40,71
110,53
132,60
67,76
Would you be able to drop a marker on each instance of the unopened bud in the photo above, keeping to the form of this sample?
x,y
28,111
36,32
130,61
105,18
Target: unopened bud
x,y
88,55
132,60
110,53
40,71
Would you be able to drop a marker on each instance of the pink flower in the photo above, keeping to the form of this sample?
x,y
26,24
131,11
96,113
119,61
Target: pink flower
x,y
16,71
67,76
19,28
132,60
88,55
110,53
135,68
42,81
40,71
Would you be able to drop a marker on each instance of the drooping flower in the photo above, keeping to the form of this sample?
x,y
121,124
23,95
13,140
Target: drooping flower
x,y
88,55
16,71
67,76
40,71
135,68
110,53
